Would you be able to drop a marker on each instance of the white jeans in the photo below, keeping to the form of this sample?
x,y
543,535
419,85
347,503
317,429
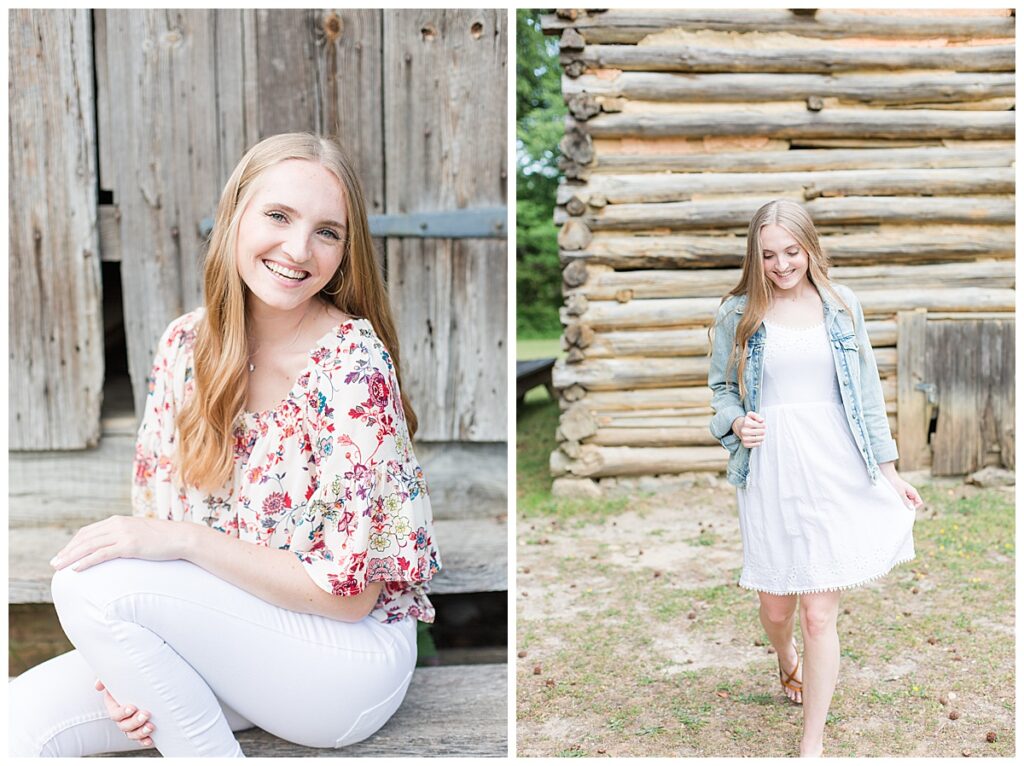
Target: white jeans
x,y
204,658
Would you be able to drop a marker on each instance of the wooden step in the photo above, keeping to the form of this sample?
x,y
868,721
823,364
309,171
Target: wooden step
x,y
465,480
474,699
474,553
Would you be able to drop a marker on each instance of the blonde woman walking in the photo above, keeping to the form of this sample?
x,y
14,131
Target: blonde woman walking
x,y
798,404
274,568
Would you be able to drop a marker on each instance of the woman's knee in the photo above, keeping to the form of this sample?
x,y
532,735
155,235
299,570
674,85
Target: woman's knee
x,y
86,595
778,610
818,619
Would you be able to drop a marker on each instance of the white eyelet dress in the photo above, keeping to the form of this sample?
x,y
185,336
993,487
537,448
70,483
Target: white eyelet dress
x,y
810,518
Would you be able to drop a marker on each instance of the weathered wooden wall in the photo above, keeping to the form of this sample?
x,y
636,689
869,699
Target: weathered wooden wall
x,y
895,129
131,176
446,137
416,97
56,365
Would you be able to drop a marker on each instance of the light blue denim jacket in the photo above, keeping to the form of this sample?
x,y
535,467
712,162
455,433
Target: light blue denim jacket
x,y
859,384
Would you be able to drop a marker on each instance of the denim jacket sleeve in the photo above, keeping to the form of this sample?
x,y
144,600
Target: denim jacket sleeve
x,y
725,398
883,446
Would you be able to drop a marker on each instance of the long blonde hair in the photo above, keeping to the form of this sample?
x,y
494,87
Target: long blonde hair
x,y
206,422
795,219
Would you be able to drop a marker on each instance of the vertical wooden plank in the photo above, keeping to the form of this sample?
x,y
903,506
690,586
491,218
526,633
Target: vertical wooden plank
x,y
445,127
912,410
286,71
55,303
167,165
348,74
104,135
996,405
349,71
954,359
237,89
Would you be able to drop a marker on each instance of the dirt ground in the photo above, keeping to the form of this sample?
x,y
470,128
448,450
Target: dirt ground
x,y
634,639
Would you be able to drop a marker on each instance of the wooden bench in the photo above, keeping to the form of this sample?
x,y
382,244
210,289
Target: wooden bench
x,y
457,710
449,710
531,373
472,698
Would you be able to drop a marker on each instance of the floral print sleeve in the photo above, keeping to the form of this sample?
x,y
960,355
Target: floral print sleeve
x,y
153,490
368,517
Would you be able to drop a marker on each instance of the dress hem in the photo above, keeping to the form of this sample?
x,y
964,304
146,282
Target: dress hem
x,y
830,588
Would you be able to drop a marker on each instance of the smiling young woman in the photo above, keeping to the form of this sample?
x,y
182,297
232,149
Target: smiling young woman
x,y
798,404
274,568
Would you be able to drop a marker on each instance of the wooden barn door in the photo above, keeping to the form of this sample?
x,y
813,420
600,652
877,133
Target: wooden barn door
x,y
446,170
956,393
54,293
180,95
971,363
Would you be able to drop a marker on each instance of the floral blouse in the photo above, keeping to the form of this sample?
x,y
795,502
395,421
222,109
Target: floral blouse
x,y
329,473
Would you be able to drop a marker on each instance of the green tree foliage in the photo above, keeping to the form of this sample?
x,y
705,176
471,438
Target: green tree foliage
x,y
539,126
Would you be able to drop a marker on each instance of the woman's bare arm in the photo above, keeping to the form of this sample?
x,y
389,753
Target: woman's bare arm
x,y
272,574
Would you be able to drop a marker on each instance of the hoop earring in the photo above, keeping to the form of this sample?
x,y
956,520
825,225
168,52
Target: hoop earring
x,y
341,283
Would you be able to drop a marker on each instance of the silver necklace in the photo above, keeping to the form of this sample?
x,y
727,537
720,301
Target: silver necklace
x,y
291,345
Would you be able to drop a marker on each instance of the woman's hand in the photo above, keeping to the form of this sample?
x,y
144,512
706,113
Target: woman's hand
x,y
134,725
124,537
910,496
751,429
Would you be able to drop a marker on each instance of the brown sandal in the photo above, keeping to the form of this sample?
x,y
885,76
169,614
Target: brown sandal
x,y
789,680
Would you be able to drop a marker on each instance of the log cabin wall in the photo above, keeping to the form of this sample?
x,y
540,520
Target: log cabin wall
x,y
895,130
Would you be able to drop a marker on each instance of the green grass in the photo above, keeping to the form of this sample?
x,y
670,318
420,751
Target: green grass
x,y
539,348
535,440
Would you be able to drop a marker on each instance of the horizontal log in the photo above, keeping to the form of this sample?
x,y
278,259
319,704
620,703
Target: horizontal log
x,y
640,161
883,244
675,436
624,25
634,372
604,283
677,406
671,418
662,418
895,88
825,210
663,436
723,58
694,342
802,123
684,400
677,187
695,312
653,372
596,461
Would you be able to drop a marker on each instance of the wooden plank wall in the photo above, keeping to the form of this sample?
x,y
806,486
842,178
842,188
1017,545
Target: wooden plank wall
x,y
895,129
180,96
445,127
56,366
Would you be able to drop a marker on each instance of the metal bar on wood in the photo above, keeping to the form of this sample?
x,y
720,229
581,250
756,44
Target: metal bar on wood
x,y
480,222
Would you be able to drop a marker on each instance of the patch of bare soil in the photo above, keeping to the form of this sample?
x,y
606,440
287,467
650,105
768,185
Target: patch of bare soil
x,y
635,640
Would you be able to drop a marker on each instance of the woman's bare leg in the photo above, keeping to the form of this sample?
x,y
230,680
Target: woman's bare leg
x,y
818,614
778,614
